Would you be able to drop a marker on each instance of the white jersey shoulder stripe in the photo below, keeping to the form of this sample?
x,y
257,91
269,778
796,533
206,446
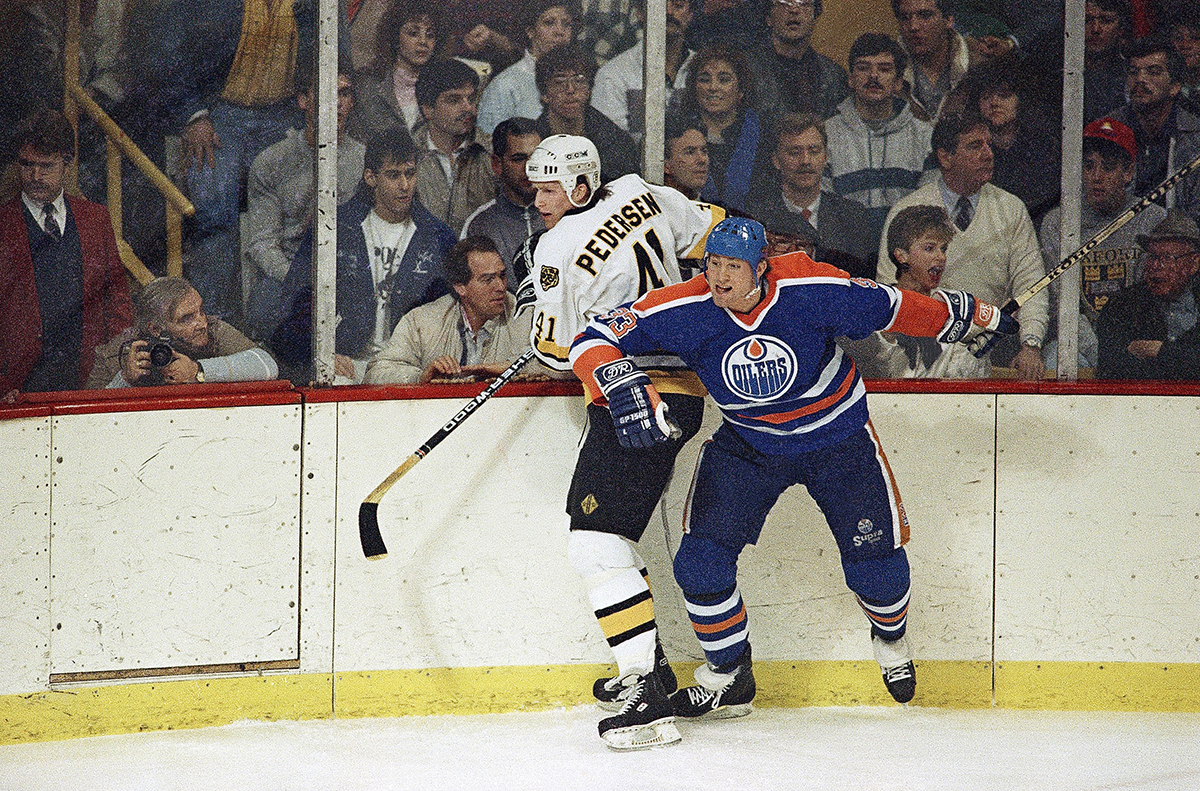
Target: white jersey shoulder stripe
x,y
674,303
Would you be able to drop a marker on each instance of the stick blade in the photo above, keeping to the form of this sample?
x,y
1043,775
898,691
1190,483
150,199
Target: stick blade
x,y
368,531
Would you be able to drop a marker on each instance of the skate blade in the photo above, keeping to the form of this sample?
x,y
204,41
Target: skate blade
x,y
728,712
612,705
660,733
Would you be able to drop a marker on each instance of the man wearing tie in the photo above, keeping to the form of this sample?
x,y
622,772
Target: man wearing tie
x,y
62,286
995,253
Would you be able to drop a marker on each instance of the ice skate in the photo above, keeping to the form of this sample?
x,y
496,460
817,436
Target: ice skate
x,y
718,695
895,660
645,718
608,691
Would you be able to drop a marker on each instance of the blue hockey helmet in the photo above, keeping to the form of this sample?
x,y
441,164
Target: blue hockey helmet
x,y
737,237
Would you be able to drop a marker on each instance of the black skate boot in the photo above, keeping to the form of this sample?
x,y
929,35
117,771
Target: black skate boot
x,y
608,691
645,718
720,694
895,660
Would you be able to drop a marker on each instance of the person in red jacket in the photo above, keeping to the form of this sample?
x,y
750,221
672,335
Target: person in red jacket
x,y
62,286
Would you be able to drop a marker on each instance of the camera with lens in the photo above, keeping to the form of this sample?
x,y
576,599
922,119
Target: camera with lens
x,y
161,351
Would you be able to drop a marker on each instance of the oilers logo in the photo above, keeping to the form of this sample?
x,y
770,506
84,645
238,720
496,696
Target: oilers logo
x,y
759,368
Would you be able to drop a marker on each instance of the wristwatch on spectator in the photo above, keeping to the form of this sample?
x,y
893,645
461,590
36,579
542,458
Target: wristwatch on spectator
x,y
199,372
1032,340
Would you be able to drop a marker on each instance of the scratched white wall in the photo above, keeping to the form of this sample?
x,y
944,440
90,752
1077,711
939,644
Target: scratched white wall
x,y
178,538
175,538
477,573
24,554
1098,529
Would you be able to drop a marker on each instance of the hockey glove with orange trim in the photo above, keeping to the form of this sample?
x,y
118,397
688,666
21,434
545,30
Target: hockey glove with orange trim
x,y
639,416
971,317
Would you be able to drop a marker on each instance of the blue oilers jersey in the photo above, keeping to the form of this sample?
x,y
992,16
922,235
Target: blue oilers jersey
x,y
776,373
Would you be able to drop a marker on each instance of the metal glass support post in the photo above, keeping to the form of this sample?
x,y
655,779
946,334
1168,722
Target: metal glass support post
x,y
1072,192
654,86
325,223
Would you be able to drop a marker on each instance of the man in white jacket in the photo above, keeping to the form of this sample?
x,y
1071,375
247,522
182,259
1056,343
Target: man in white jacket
x,y
471,332
618,91
995,254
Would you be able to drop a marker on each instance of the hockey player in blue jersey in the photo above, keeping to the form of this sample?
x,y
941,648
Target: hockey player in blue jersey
x,y
760,335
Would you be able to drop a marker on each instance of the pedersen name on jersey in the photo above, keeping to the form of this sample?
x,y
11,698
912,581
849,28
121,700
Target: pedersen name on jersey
x,y
618,225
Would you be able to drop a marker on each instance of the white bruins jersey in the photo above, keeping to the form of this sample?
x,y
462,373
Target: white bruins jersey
x,y
592,261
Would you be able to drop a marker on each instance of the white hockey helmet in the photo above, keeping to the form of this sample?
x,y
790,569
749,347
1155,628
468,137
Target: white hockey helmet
x,y
564,158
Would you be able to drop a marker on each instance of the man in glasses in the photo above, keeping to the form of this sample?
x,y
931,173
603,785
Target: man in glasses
x,y
1148,331
564,80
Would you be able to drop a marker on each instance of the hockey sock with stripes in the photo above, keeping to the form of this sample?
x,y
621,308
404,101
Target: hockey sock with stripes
x,y
719,621
888,619
619,592
625,609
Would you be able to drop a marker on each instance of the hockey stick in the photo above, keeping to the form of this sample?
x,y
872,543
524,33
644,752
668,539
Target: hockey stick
x,y
1014,304
368,517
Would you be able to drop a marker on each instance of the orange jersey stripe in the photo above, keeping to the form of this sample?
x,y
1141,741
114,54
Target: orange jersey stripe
x,y
591,359
919,315
817,406
660,296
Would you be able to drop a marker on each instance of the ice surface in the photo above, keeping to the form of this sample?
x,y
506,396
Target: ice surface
x,y
833,749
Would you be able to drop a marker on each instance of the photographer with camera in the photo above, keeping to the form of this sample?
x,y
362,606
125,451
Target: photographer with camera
x,y
174,342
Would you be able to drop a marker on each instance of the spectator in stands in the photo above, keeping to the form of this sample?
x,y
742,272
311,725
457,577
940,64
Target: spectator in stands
x,y
169,313
1167,131
483,31
514,91
365,17
227,82
995,254
390,256
1183,26
938,55
618,92
281,199
720,96
1025,144
31,42
791,76
1109,152
877,148
796,204
609,27
387,90
473,331
510,218
564,78
918,237
454,172
62,286
685,161
1148,331
1106,30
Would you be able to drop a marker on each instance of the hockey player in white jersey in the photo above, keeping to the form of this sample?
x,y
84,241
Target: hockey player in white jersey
x,y
604,246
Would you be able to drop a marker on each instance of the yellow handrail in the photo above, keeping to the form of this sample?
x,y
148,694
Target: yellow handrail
x,y
119,143
131,151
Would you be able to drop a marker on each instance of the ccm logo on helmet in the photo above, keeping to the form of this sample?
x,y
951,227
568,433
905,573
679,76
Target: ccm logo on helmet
x,y
576,155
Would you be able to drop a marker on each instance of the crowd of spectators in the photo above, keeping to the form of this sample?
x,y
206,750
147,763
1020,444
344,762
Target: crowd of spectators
x,y
927,158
